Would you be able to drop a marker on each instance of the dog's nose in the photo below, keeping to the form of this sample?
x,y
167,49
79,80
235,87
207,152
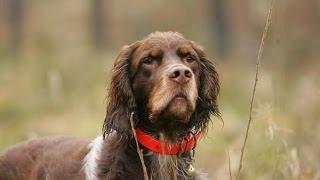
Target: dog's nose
x,y
180,74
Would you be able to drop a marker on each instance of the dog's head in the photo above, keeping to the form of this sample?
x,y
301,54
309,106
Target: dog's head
x,y
167,81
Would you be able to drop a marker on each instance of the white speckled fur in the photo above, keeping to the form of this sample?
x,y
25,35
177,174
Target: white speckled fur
x,y
90,161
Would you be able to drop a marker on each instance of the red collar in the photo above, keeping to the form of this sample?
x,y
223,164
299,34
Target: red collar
x,y
158,146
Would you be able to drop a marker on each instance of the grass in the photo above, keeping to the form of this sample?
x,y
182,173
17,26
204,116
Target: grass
x,y
59,95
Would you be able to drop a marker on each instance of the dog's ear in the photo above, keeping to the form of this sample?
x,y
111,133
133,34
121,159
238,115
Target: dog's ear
x,y
209,88
121,102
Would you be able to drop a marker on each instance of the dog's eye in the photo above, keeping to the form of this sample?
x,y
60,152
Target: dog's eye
x,y
147,60
190,58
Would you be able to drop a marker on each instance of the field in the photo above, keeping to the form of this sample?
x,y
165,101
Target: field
x,y
56,85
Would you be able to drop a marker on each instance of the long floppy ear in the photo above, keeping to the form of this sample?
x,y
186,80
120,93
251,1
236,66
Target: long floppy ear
x,y
121,102
208,89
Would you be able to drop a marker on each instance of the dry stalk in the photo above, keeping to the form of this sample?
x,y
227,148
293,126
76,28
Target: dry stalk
x,y
229,165
264,35
145,173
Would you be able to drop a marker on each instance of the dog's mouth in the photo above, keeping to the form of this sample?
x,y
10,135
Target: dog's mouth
x,y
180,97
174,103
178,108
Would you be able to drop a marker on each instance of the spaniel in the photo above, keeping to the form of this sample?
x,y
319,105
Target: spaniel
x,y
167,86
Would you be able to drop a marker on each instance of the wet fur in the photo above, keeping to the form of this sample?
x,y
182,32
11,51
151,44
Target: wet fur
x,y
122,103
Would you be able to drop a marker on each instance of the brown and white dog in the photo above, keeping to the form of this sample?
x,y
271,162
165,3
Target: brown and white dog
x,y
169,86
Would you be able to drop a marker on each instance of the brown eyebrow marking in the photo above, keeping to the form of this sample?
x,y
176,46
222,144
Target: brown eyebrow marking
x,y
156,53
183,51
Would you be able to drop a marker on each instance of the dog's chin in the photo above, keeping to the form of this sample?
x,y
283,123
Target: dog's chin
x,y
178,109
173,119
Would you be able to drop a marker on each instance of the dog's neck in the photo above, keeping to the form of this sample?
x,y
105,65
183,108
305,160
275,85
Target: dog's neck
x,y
122,152
170,131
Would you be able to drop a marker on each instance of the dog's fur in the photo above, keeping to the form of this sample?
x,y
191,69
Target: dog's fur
x,y
169,85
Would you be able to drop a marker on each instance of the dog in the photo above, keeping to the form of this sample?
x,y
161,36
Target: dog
x,y
167,87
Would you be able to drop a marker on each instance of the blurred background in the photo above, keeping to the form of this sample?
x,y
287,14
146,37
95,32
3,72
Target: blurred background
x,y
56,58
